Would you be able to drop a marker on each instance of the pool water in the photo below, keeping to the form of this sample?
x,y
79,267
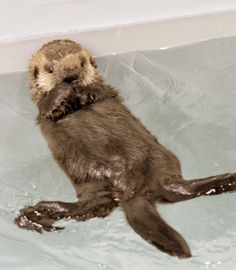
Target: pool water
x,y
186,96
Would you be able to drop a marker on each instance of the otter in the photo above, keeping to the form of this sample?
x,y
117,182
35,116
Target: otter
x,y
111,159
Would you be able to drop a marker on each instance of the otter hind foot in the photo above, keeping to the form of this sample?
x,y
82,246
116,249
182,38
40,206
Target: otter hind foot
x,y
33,219
44,214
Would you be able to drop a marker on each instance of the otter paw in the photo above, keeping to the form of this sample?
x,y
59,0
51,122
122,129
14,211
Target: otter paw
x,y
86,98
56,111
58,102
37,219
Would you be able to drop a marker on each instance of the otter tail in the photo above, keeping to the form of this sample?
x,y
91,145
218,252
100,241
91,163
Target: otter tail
x,y
144,219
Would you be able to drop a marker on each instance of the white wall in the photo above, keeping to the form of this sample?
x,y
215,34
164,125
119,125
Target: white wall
x,y
107,26
27,18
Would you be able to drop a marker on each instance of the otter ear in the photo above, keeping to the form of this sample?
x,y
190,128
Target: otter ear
x,y
93,62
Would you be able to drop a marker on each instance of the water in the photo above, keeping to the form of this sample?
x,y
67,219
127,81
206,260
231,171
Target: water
x,y
187,97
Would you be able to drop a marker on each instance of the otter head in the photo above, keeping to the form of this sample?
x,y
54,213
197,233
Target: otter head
x,y
60,61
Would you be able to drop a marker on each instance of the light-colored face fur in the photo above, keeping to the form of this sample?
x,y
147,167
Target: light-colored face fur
x,y
58,61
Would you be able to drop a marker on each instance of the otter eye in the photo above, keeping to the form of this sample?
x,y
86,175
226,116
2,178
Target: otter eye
x,y
48,69
83,62
36,72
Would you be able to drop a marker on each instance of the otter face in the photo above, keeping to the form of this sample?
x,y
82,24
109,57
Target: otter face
x,y
60,61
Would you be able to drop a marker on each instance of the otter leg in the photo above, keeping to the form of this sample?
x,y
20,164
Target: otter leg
x,y
213,185
43,215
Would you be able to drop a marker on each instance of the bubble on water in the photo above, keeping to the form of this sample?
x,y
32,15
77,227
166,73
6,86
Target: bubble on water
x,y
34,186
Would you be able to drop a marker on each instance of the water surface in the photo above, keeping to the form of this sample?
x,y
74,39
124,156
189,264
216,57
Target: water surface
x,y
187,97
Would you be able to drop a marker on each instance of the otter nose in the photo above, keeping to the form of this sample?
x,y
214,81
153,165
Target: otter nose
x,y
70,79
70,74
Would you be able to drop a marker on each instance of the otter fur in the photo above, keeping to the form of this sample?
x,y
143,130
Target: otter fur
x,y
111,159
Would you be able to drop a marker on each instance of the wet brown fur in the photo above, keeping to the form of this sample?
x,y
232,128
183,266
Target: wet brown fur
x,y
109,156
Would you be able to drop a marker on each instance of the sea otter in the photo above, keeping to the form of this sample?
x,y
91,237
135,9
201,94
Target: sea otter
x,y
110,157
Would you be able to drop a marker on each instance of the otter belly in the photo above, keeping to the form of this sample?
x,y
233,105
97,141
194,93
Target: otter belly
x,y
84,155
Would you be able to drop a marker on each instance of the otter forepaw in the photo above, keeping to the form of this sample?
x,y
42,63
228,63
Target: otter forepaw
x,y
86,98
58,102
56,111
